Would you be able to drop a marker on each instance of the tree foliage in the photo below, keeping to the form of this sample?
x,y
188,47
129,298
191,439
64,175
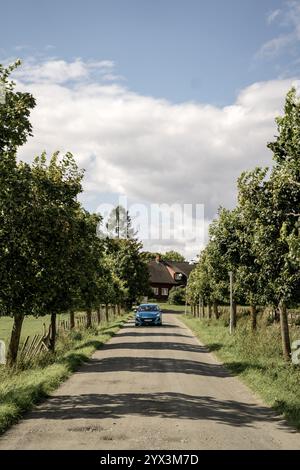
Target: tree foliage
x,y
172,256
259,240
15,126
51,259
177,295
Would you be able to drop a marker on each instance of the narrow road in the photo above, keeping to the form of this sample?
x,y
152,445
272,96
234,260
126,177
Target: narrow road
x,y
152,388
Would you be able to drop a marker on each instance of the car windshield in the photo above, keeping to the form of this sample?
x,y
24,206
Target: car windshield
x,y
148,308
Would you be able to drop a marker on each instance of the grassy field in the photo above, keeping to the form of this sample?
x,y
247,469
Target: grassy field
x,y
174,308
20,389
256,358
31,325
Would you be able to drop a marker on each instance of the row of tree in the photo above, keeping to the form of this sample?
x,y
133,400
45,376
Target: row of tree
x,y
259,239
51,259
167,256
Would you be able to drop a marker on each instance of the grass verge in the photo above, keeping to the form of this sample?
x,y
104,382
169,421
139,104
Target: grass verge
x,y
256,358
31,325
22,388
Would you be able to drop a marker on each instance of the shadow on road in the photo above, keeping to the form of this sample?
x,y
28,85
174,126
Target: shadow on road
x,y
156,346
154,365
150,332
165,405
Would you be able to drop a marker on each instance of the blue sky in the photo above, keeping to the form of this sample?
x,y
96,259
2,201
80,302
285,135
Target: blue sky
x,y
177,49
161,101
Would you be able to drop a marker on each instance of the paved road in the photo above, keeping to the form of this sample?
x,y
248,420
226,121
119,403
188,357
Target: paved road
x,y
151,388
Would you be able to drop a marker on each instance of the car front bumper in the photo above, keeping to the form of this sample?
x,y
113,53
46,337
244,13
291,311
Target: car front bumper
x,y
147,321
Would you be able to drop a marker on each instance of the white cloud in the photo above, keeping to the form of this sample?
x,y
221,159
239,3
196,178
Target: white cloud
x,y
60,71
149,149
288,18
276,45
271,17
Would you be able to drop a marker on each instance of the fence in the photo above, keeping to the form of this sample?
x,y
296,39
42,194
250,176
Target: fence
x,y
208,311
104,313
37,344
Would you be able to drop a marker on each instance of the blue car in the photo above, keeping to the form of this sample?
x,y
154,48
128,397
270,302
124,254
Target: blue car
x,y
148,314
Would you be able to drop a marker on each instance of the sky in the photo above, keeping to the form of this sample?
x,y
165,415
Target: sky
x,y
161,101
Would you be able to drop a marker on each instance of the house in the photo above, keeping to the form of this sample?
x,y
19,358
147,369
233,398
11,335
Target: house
x,y
166,274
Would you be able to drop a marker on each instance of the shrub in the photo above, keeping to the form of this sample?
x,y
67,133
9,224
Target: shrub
x,y
177,296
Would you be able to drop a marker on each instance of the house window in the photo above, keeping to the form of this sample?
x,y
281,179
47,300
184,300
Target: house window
x,y
164,291
178,276
155,290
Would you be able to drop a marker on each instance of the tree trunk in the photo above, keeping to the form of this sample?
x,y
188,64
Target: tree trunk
x,y
216,311
119,309
253,311
72,320
209,310
13,347
203,310
115,311
89,318
285,336
106,313
53,332
99,315
234,317
276,315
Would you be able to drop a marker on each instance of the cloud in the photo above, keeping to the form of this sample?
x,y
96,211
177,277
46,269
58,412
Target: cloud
x,y
60,71
271,17
276,45
21,47
146,148
289,19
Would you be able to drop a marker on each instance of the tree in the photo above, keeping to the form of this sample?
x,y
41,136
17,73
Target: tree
x,y
130,267
172,256
199,287
177,295
91,270
111,289
15,193
270,207
252,198
150,256
119,224
127,261
259,240
55,233
278,225
224,255
15,126
37,207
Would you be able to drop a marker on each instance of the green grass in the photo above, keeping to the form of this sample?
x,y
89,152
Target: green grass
x,y
175,308
256,358
31,325
20,389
